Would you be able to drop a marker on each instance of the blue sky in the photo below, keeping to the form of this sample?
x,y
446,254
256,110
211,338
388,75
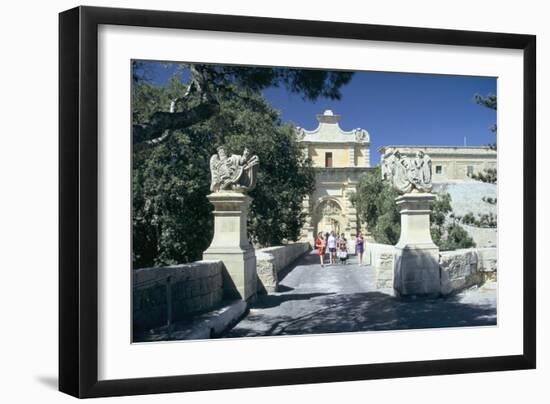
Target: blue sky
x,y
396,108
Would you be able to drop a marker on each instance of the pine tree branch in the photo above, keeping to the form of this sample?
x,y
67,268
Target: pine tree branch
x,y
161,123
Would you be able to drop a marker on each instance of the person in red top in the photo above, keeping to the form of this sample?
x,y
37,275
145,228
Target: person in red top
x,y
320,246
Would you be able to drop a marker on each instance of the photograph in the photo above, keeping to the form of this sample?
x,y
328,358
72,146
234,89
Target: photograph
x,y
273,201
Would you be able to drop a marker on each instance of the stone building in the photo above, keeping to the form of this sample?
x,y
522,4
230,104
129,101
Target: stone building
x,y
339,158
452,163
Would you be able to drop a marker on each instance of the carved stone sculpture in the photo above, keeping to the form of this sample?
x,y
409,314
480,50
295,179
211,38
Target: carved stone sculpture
x,y
300,133
407,174
360,135
423,165
232,176
416,266
233,173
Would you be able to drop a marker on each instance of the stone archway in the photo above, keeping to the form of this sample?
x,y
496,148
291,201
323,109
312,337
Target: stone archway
x,y
328,216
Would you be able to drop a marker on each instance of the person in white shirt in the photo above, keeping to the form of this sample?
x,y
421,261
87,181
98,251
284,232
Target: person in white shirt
x,y
331,242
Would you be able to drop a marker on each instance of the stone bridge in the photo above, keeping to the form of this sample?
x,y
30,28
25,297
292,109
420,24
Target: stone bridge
x,y
301,297
344,298
410,285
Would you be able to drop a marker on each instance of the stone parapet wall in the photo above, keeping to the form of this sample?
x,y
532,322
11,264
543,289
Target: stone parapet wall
x,y
459,269
462,269
382,258
271,261
176,291
488,260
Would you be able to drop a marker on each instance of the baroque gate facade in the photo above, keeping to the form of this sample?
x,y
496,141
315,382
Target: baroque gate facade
x,y
339,158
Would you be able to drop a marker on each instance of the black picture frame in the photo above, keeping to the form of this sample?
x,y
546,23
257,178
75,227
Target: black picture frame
x,y
78,201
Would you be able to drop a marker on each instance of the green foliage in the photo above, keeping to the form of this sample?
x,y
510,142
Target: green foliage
x,y
486,220
445,228
207,85
468,218
148,98
456,237
310,84
285,176
440,210
489,101
375,204
172,218
488,175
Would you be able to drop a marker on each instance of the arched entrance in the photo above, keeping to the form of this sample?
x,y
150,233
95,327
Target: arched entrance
x,y
328,216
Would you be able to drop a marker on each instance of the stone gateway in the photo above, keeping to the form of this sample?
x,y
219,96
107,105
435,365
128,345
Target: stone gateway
x,y
339,158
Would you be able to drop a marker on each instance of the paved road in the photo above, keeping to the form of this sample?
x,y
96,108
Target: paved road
x,y
343,298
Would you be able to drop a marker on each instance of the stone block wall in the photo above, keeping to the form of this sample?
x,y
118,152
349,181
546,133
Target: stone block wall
x,y
382,258
459,269
488,261
271,261
177,291
462,269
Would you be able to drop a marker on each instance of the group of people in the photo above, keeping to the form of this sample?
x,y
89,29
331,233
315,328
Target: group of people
x,y
337,247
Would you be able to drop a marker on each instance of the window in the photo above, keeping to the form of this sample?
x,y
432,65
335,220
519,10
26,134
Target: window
x,y
438,169
328,160
470,171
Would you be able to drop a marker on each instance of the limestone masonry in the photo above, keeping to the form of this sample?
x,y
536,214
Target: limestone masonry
x,y
452,163
165,294
271,261
232,177
340,157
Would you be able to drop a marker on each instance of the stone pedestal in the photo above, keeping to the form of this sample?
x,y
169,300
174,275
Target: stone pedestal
x,y
231,245
416,270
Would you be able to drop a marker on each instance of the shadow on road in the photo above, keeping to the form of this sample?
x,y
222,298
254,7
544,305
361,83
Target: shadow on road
x,y
284,288
368,311
268,301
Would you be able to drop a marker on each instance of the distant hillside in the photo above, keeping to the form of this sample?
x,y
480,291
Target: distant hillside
x,y
467,196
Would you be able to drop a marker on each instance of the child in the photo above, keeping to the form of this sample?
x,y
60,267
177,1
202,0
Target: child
x,y
343,249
